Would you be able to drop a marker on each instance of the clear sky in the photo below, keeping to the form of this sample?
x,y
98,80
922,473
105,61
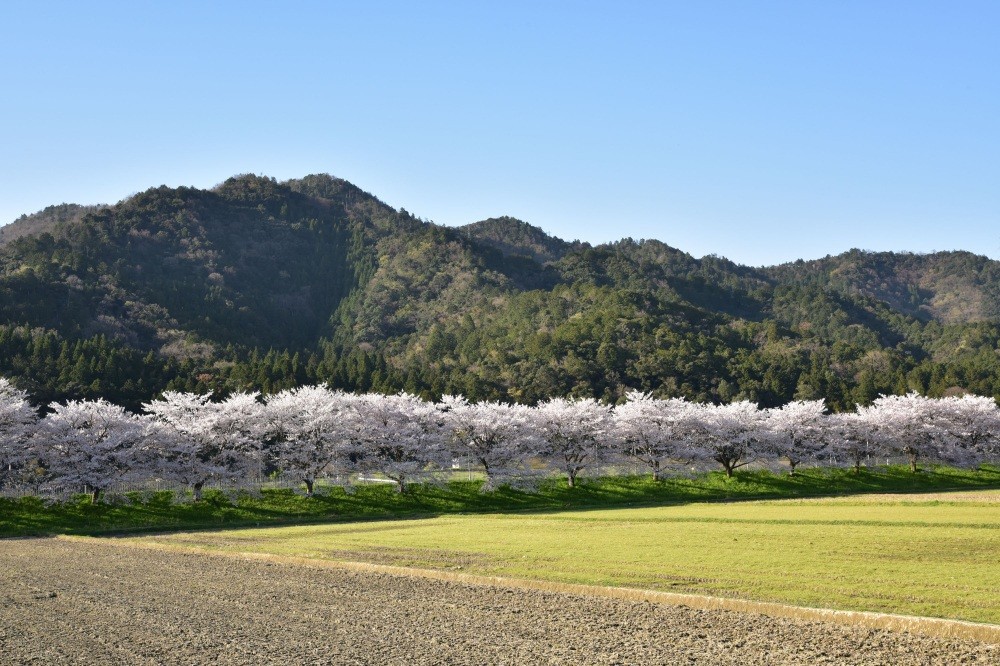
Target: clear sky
x,y
760,131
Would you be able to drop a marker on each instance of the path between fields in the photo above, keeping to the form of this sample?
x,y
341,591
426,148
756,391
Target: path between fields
x,y
92,601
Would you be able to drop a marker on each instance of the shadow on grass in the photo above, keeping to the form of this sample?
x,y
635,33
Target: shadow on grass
x,y
159,513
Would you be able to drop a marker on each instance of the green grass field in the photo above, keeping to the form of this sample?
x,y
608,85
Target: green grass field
x,y
932,555
31,516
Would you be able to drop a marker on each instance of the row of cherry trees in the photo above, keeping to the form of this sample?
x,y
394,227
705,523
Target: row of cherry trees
x,y
313,432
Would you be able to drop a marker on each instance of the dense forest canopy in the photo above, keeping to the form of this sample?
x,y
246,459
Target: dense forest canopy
x,y
264,285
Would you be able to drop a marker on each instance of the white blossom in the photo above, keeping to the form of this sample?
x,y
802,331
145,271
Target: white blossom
x,y
401,437
498,436
17,422
657,433
574,433
732,435
799,433
313,427
92,444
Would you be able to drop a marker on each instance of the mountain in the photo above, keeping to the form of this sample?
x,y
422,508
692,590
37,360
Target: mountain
x,y
260,285
951,287
516,237
44,220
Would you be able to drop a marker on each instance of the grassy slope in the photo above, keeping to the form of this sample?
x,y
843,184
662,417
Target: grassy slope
x,y
30,516
931,555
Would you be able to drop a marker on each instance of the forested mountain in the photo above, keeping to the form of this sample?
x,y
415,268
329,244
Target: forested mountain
x,y
44,220
953,287
516,237
257,284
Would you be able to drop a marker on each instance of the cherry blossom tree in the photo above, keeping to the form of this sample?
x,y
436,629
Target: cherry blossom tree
x,y
200,440
974,423
92,444
496,435
314,430
17,422
401,437
573,433
312,426
799,432
917,427
853,436
655,432
732,434
240,427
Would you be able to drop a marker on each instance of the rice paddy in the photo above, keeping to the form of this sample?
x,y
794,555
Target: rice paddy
x,y
935,555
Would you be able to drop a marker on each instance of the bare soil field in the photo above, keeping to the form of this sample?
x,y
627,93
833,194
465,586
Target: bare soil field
x,y
100,602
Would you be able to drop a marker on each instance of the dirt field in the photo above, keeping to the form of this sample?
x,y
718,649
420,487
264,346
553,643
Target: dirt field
x,y
82,602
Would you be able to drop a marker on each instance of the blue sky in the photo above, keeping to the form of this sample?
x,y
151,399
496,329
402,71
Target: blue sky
x,y
760,131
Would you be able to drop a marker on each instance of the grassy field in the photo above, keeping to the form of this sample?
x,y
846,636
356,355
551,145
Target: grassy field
x,y
930,555
31,516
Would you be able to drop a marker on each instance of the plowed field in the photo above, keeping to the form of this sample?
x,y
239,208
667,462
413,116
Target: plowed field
x,y
99,602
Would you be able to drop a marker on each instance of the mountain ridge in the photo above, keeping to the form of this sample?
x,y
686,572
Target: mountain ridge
x,y
261,284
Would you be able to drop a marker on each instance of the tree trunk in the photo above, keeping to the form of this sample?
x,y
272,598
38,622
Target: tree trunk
x,y
571,479
913,463
729,469
401,485
791,464
309,487
657,472
857,467
197,490
95,495
488,485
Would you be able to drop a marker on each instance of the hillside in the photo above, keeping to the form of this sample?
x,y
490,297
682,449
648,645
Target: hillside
x,y
516,237
256,284
44,220
950,287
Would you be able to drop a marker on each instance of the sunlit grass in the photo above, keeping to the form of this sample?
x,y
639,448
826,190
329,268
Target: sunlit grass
x,y
159,512
934,555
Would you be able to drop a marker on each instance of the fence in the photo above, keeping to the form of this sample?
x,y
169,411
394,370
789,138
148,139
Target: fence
x,y
462,470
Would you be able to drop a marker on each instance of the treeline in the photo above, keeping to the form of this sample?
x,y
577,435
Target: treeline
x,y
315,432
54,368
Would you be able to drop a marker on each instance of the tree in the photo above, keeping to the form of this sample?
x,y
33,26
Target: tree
x,y
240,427
496,435
17,422
655,432
974,423
799,431
199,440
917,427
573,433
400,436
853,435
312,426
732,434
92,444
